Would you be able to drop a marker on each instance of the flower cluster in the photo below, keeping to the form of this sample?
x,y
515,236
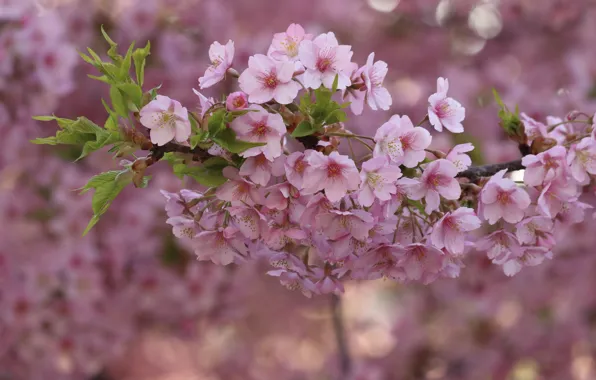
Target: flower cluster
x,y
403,211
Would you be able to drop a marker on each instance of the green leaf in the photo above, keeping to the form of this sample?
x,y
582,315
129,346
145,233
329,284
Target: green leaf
x,y
201,136
216,122
112,52
209,173
227,140
336,116
498,99
45,141
126,63
305,128
335,83
118,102
80,132
132,91
107,186
139,57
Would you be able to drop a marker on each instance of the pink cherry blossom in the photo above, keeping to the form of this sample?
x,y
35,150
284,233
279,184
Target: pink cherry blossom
x,y
325,59
532,228
401,141
356,93
285,46
533,128
420,262
500,246
545,166
237,101
205,103
336,224
378,181
555,194
502,198
316,205
183,226
531,256
582,160
295,167
259,169
249,221
237,189
437,180
222,247
377,96
457,155
221,57
449,231
260,126
167,120
444,111
336,174
266,79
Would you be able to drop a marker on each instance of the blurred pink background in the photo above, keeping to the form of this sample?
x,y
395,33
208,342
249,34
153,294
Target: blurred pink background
x,y
126,303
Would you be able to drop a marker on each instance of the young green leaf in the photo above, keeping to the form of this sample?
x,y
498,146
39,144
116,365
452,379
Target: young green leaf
x,y
118,102
227,140
209,173
107,186
139,57
305,128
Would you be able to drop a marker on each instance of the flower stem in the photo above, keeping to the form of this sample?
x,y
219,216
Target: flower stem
x,y
345,360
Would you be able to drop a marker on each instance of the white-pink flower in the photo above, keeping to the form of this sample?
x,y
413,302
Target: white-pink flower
x,y
531,256
266,79
403,143
259,169
221,57
533,128
500,246
582,160
260,126
222,247
449,231
438,179
502,198
237,189
529,229
236,101
285,45
205,103
444,111
458,156
324,59
545,166
167,120
420,262
378,178
336,224
555,194
295,167
337,174
377,96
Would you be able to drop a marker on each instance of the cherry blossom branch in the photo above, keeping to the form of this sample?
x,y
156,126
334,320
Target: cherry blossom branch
x,y
345,360
475,172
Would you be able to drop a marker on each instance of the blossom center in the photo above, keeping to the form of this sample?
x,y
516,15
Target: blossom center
x,y
291,47
503,197
325,60
270,80
260,129
442,109
374,180
334,170
300,166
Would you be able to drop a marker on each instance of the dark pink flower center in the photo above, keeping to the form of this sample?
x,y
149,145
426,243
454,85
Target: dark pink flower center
x,y
300,166
503,197
433,180
270,80
325,60
260,129
334,170
239,102
442,109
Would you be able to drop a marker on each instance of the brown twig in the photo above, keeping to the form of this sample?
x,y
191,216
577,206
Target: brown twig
x,y
475,172
345,360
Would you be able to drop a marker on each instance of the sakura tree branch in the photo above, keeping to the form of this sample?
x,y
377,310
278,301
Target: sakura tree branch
x,y
345,360
475,172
